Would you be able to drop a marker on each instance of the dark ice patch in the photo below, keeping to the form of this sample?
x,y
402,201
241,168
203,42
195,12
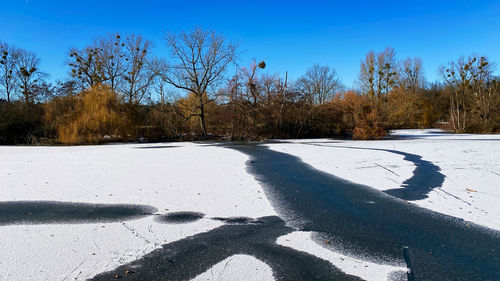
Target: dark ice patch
x,y
238,220
179,217
55,212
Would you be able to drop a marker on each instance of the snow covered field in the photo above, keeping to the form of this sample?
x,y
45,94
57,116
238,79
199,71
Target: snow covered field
x,y
212,180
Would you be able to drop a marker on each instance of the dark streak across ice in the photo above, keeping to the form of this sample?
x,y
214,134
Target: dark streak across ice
x,y
426,175
55,212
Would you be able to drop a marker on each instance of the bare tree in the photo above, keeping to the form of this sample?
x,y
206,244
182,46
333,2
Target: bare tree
x,y
138,76
320,83
245,94
278,102
252,84
43,91
378,73
101,62
86,66
9,56
160,88
490,100
270,84
484,88
457,78
387,70
199,60
472,90
411,75
28,74
111,55
367,74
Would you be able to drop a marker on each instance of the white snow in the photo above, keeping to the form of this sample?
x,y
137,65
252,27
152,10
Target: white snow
x,y
470,164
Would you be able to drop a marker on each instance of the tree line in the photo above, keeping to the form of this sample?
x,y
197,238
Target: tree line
x,y
117,90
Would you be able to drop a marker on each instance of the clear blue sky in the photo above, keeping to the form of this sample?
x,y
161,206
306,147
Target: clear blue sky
x,y
288,35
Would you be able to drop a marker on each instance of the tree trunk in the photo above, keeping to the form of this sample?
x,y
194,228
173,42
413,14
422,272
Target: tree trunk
x,y
202,117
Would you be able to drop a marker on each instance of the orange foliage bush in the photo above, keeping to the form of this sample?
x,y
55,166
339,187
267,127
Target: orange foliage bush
x,y
368,125
361,113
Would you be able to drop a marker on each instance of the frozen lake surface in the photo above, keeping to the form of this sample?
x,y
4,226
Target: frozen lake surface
x,y
288,210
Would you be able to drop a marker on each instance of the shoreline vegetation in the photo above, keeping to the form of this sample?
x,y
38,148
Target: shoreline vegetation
x,y
118,91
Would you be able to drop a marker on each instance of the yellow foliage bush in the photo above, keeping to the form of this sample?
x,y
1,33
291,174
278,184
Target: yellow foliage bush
x,y
189,109
95,115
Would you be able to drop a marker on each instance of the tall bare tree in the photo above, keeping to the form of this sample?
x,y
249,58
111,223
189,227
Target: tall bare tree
x,y
387,70
245,95
457,77
484,88
456,80
86,67
378,73
472,91
9,56
411,75
29,74
251,82
198,61
320,83
367,74
113,60
138,76
102,62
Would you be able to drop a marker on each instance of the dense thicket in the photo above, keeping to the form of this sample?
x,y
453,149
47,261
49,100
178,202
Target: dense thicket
x,y
117,90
